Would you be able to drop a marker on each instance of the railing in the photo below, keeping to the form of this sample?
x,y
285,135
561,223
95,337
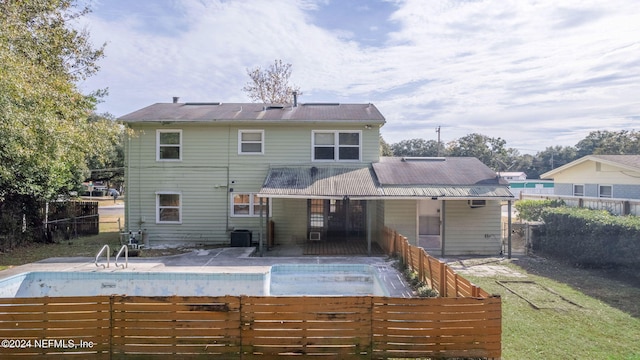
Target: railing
x,y
613,205
106,247
124,248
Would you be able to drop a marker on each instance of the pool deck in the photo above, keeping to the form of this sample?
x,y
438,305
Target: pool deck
x,y
219,260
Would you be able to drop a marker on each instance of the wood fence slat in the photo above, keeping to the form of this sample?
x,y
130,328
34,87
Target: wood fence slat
x,y
465,321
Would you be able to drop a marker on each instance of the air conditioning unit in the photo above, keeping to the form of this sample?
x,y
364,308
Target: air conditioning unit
x,y
314,236
477,203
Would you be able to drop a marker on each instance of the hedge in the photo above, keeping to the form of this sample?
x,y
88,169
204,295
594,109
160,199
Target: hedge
x,y
589,237
531,210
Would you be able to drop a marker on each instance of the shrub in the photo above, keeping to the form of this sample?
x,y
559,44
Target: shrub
x,y
531,210
589,237
426,291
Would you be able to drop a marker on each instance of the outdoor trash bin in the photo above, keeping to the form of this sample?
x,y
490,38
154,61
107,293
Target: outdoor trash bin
x,y
241,238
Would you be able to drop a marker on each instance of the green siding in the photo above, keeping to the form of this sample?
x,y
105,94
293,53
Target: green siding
x,y
210,170
472,230
400,215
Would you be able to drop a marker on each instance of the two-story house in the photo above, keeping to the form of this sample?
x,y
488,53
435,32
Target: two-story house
x,y
196,172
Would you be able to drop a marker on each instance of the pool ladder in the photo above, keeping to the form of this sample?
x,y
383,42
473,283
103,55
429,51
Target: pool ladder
x,y
124,249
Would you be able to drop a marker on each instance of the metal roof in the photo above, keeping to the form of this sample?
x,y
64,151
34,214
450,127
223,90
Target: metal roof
x,y
223,112
334,182
320,182
448,192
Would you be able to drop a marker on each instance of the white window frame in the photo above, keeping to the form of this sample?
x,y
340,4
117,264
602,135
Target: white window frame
x,y
253,202
179,207
576,193
240,142
476,203
158,145
600,192
336,145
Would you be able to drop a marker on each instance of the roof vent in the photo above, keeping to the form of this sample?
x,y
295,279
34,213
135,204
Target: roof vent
x,y
175,99
275,106
424,158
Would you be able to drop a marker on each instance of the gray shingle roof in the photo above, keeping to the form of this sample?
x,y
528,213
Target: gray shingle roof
x,y
435,171
223,112
626,160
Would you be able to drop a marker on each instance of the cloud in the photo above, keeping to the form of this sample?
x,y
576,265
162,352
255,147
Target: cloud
x,y
534,73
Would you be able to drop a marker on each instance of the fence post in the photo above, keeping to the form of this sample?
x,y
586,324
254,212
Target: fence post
x,y
430,271
421,266
455,284
442,288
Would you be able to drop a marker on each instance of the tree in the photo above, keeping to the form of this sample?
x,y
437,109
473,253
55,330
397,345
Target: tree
x,y
604,142
415,147
45,137
491,151
385,148
551,158
109,164
271,86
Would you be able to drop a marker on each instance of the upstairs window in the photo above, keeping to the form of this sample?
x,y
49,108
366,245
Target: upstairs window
x,y
578,190
251,142
336,145
605,191
169,145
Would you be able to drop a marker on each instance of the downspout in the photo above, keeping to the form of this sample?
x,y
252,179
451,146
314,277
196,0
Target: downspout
x,y
228,194
126,179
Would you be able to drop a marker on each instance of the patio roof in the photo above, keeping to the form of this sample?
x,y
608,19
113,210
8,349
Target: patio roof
x,y
320,182
338,182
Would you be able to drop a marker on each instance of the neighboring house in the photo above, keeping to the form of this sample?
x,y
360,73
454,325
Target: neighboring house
x,y
515,175
519,184
195,172
598,176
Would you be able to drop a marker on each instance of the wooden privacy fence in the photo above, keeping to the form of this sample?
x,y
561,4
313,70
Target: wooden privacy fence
x,y
244,327
431,271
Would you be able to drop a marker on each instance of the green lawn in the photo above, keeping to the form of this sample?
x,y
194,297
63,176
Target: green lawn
x,y
561,330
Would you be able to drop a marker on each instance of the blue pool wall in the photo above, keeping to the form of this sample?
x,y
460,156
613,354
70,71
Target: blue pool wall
x,y
280,280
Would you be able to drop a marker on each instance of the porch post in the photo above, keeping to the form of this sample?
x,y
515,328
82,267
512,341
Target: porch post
x,y
509,230
442,231
260,244
368,228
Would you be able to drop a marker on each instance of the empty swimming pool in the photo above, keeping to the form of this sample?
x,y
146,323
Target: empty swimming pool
x,y
283,280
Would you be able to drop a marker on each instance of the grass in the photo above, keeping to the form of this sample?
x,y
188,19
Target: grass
x,y
561,330
83,246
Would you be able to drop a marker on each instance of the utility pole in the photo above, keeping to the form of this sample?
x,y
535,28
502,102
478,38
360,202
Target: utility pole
x,y
438,131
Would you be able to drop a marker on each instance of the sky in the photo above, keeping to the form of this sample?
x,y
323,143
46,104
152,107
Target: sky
x,y
536,73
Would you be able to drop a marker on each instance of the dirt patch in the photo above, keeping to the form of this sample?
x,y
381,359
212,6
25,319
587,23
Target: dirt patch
x,y
614,288
484,267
